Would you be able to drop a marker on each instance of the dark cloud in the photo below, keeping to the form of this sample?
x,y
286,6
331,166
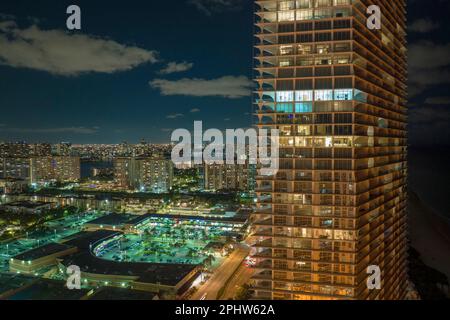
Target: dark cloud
x,y
438,100
423,25
209,7
429,65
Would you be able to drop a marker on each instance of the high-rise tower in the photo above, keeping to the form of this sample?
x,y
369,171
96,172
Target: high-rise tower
x,y
337,92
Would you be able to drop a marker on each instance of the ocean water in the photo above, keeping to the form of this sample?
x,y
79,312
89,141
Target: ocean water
x,y
429,176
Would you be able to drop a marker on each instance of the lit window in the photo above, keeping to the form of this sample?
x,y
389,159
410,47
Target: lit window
x,y
304,130
303,107
323,95
305,95
343,94
285,96
286,5
304,15
286,62
286,16
284,50
285,107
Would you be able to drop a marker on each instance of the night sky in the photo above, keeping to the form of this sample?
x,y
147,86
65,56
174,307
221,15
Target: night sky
x,y
139,69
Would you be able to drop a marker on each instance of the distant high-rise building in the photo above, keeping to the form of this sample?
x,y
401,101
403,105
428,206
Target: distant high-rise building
x,y
125,171
54,168
124,149
18,168
144,174
337,92
62,149
40,150
228,177
15,150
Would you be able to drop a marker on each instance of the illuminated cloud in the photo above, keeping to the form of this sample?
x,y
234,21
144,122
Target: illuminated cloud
x,y
228,87
174,67
175,116
66,54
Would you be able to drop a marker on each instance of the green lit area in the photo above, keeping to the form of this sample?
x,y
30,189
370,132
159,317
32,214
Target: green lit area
x,y
164,240
156,240
52,231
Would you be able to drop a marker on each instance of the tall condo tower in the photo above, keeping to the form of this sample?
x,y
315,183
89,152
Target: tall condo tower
x,y
336,90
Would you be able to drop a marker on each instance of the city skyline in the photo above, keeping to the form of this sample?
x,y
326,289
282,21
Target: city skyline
x,y
176,77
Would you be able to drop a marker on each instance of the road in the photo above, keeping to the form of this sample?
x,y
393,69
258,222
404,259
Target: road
x,y
211,288
241,277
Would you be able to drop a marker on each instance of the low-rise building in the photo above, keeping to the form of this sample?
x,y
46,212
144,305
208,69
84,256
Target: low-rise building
x,y
33,260
13,185
27,207
15,168
167,280
116,222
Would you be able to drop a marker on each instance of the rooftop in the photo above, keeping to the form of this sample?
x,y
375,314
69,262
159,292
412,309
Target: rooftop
x,y
164,273
117,219
13,281
48,290
236,218
27,204
87,240
42,251
112,293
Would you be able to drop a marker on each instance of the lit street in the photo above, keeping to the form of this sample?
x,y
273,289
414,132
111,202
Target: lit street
x,y
211,288
240,277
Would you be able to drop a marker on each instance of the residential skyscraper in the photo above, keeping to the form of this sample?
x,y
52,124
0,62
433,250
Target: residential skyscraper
x,y
62,149
14,167
144,174
54,168
336,90
228,177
